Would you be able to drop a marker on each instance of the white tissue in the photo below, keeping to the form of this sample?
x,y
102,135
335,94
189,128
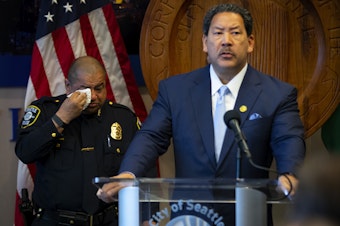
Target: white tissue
x,y
87,91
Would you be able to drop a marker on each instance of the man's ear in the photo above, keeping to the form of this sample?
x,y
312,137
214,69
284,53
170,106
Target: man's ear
x,y
251,43
67,86
204,43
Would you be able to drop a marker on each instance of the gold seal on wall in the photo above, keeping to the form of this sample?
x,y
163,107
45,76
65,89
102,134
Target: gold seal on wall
x,y
171,43
116,131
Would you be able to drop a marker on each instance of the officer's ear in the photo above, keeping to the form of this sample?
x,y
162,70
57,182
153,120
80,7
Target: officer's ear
x,y
67,86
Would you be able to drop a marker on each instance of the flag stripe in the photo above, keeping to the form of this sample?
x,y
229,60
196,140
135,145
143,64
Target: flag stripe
x,y
108,52
76,39
18,219
25,180
51,68
38,70
123,59
92,48
30,92
88,37
63,49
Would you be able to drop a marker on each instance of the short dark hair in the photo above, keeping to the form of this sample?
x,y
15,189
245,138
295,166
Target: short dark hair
x,y
245,14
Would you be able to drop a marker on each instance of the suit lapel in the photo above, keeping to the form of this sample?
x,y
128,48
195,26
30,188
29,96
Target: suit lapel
x,y
248,93
201,98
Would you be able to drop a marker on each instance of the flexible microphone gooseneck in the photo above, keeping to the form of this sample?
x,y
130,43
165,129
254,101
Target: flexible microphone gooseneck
x,y
232,119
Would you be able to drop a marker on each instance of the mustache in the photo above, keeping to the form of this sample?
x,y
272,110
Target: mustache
x,y
226,51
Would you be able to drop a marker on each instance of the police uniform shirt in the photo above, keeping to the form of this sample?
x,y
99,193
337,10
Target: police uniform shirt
x,y
90,145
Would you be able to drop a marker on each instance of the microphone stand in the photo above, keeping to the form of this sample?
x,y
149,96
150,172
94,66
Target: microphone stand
x,y
247,198
239,165
250,207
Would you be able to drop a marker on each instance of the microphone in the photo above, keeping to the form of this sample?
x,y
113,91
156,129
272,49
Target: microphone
x,y
232,119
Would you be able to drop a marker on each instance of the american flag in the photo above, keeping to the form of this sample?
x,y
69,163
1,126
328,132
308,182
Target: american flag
x,y
68,29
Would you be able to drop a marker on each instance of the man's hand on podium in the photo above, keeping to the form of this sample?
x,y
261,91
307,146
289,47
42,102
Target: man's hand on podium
x,y
288,184
108,193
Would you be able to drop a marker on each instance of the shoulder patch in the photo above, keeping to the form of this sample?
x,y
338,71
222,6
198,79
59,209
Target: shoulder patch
x,y
32,113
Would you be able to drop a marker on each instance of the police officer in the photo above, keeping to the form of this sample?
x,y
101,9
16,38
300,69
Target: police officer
x,y
73,138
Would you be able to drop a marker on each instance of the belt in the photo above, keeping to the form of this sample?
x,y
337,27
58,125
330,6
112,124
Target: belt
x,y
65,217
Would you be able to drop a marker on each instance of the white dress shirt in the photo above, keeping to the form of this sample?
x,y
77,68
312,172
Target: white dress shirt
x,y
233,86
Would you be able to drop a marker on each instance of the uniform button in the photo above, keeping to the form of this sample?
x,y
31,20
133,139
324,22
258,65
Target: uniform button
x,y
54,135
38,213
118,150
71,221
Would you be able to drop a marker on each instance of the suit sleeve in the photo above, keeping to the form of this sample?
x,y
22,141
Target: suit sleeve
x,y
287,139
152,140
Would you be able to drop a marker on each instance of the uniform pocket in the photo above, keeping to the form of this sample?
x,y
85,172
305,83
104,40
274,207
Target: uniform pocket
x,y
113,155
62,158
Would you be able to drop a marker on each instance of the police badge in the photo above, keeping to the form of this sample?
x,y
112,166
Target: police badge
x,y
116,131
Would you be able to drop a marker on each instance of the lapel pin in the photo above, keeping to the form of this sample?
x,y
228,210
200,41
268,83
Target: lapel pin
x,y
243,108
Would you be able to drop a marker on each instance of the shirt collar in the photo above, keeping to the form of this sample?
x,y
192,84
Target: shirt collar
x,y
233,85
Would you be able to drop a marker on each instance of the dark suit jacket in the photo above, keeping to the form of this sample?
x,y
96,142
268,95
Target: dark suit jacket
x,y
183,112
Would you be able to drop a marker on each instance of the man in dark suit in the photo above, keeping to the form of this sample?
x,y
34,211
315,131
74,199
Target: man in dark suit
x,y
185,111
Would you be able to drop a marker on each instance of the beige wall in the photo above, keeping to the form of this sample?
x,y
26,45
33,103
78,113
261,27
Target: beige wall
x,y
14,98
9,98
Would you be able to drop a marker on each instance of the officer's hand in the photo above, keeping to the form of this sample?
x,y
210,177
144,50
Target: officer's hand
x,y
72,107
108,193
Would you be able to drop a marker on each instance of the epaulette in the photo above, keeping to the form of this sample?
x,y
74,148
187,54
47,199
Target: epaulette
x,y
116,105
47,99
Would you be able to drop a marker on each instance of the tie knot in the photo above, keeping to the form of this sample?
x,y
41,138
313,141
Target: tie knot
x,y
223,90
